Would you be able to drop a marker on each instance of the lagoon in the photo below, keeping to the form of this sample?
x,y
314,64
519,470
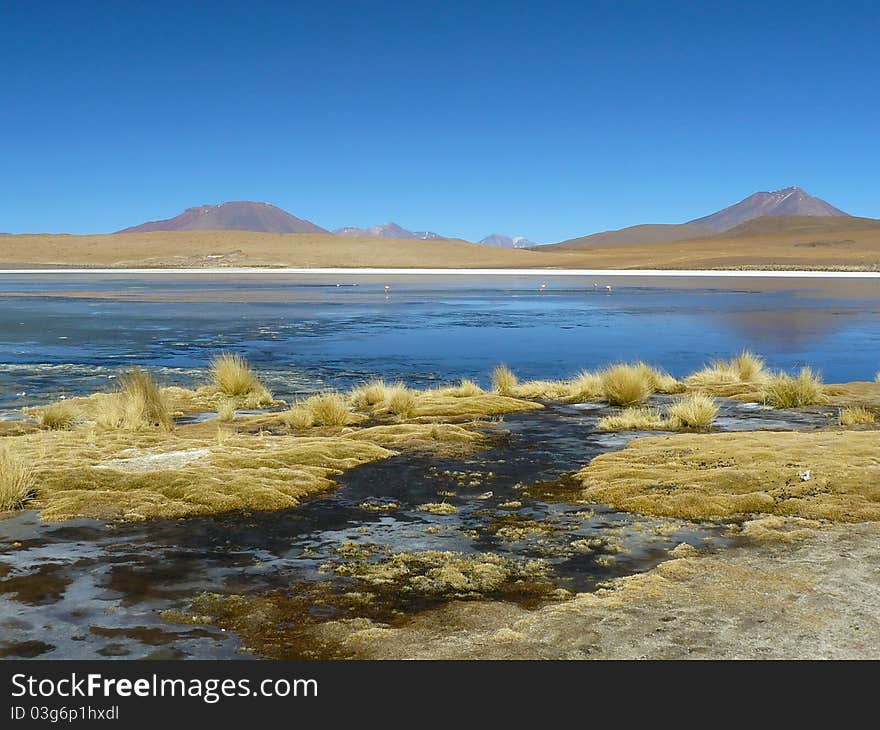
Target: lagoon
x,y
63,335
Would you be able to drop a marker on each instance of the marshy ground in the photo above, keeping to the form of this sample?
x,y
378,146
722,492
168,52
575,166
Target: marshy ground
x,y
529,519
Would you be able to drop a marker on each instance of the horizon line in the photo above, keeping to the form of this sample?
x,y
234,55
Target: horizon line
x,y
663,273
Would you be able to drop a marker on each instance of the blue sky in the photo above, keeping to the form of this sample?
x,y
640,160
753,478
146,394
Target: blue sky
x,y
544,119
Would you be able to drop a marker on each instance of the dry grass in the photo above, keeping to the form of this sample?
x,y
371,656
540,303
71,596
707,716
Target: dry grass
x,y
226,409
165,474
233,375
61,416
626,385
542,390
465,389
743,369
659,380
234,378
435,405
432,437
139,404
620,384
402,402
585,387
786,391
693,412
856,416
696,476
634,419
298,418
503,380
328,409
17,479
371,394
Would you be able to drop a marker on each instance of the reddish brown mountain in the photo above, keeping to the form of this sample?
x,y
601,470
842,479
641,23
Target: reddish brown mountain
x,y
234,216
785,202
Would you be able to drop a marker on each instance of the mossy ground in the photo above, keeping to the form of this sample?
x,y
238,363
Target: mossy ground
x,y
86,466
831,475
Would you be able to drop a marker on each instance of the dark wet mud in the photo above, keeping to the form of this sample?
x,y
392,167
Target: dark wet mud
x,y
372,548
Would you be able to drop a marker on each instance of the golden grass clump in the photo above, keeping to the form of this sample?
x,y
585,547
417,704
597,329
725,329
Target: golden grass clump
x,y
298,418
402,401
465,389
234,377
542,389
328,409
139,404
659,380
226,409
371,394
585,387
626,385
745,368
693,412
634,419
786,391
61,416
830,475
17,480
749,366
503,380
856,416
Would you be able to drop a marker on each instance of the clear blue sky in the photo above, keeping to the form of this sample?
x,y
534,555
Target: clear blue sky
x,y
544,119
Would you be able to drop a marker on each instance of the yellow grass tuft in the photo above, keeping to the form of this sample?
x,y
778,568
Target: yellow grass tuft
x,y
626,385
465,389
745,368
402,401
856,416
234,377
61,416
139,404
634,419
298,418
369,395
585,387
17,480
659,380
786,391
226,409
693,412
749,367
503,380
328,409
542,389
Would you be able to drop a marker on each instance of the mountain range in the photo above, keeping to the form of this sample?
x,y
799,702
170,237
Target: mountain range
x,y
782,205
502,241
388,230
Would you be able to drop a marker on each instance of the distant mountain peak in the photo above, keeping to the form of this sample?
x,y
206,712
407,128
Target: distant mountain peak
x,y
236,215
388,230
502,241
790,201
